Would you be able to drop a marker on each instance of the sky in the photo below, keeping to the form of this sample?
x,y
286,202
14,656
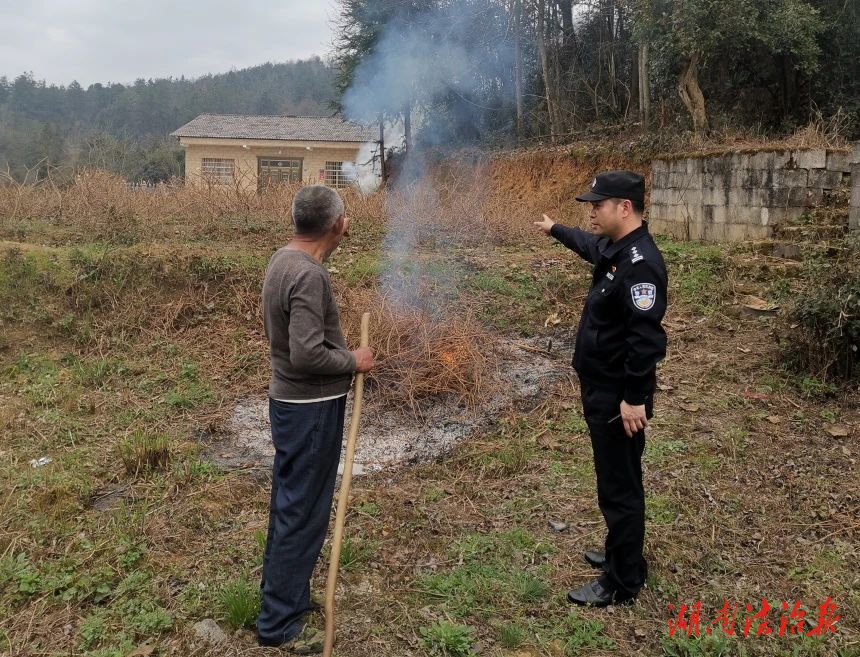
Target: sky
x,y
120,41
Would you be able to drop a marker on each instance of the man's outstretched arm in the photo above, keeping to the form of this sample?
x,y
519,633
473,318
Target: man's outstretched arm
x,y
575,239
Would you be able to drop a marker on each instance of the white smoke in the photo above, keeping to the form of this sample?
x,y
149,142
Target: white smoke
x,y
366,171
439,66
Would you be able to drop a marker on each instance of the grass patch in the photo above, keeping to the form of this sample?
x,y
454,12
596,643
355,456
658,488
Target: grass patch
x,y
660,510
368,508
580,634
446,639
189,392
434,494
363,270
715,645
571,422
240,602
510,298
822,565
508,461
657,451
512,635
142,452
498,571
698,273
355,552
96,372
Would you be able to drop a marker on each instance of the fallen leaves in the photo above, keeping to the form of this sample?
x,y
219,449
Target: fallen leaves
x,y
836,430
757,304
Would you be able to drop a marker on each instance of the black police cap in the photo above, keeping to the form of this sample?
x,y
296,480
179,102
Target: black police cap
x,y
616,184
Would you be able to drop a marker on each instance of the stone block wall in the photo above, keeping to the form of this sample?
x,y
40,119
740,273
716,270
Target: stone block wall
x,y
742,196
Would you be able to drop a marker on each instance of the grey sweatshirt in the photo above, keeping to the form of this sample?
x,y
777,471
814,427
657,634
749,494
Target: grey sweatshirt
x,y
309,356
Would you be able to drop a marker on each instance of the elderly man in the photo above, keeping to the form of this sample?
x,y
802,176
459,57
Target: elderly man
x,y
618,345
311,374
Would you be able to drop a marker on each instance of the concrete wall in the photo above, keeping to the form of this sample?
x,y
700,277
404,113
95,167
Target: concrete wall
x,y
314,155
744,195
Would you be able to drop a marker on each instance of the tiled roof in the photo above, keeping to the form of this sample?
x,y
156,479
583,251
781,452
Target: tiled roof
x,y
293,128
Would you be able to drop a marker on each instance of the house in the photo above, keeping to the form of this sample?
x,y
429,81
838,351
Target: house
x,y
253,151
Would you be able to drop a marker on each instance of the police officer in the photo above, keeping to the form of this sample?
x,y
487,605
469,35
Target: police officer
x,y
619,342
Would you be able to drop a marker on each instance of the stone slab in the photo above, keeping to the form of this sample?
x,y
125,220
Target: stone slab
x,y
824,179
715,214
855,185
839,161
735,232
815,158
714,232
769,159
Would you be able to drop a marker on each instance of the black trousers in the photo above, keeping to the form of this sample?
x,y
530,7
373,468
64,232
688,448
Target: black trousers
x,y
307,439
620,493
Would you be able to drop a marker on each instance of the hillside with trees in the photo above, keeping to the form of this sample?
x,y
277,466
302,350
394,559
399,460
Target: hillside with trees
x,y
124,128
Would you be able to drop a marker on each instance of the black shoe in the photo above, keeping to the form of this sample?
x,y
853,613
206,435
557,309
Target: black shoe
x,y
594,559
596,594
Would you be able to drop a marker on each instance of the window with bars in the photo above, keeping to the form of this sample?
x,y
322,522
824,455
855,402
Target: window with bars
x,y
218,169
335,176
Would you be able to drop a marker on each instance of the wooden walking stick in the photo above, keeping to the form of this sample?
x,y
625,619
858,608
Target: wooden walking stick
x,y
343,498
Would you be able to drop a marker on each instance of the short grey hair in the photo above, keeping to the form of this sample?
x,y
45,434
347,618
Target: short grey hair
x,y
315,209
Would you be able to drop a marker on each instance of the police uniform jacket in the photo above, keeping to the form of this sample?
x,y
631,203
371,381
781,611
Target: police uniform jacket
x,y
620,338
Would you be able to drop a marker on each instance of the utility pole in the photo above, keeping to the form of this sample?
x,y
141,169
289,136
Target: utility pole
x,y
382,149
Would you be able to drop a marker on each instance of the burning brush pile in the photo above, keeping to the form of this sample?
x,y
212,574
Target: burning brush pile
x,y
421,358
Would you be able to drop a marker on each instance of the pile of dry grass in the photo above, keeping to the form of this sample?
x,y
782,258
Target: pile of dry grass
x,y
420,358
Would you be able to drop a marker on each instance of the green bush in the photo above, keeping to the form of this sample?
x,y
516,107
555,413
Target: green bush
x,y
823,334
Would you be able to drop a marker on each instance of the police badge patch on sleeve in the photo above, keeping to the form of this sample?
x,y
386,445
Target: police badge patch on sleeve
x,y
644,295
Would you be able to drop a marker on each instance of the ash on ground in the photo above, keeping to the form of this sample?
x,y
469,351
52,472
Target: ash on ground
x,y
528,371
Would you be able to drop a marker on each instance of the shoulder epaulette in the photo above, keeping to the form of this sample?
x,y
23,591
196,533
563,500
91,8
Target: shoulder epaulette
x,y
635,255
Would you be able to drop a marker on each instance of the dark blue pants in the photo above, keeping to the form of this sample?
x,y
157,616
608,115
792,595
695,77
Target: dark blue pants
x,y
620,492
307,439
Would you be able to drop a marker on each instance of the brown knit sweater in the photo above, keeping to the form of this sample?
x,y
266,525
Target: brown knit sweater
x,y
308,352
